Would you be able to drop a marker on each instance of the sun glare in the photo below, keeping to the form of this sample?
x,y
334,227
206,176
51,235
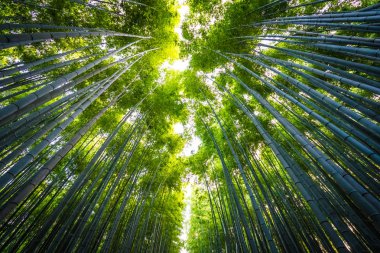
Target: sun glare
x,y
178,128
179,65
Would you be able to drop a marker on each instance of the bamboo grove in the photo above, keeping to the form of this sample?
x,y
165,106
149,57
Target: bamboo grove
x,y
284,96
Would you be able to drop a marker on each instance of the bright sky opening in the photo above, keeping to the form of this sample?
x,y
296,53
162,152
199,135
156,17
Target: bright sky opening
x,y
183,11
189,182
191,146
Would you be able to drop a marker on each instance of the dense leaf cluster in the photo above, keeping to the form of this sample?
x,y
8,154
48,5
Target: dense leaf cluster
x,y
284,96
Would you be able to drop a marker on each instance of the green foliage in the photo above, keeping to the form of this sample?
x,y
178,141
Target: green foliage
x,y
289,155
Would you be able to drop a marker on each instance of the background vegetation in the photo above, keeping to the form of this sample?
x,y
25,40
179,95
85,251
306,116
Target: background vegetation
x,y
284,96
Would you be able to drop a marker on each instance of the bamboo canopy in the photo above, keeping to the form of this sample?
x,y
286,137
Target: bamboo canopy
x,y
189,126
